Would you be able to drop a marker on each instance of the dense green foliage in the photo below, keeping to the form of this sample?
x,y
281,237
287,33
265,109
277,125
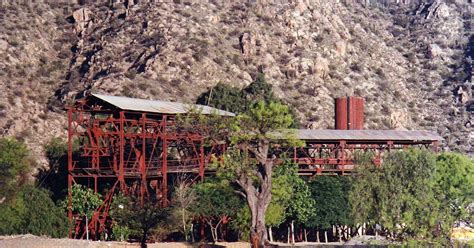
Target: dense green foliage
x,y
23,207
216,203
454,189
240,101
14,165
136,219
331,200
84,200
224,97
414,195
32,211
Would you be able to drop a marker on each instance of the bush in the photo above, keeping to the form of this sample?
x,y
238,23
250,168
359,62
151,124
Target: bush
x,y
33,211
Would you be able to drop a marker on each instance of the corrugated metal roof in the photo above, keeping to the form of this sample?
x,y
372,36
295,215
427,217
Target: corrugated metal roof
x,y
153,106
374,135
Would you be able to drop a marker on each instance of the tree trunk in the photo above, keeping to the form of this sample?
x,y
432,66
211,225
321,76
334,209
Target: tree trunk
x,y
292,232
143,240
192,232
317,237
258,198
270,234
201,229
213,234
288,236
183,219
305,235
258,234
339,233
300,234
325,236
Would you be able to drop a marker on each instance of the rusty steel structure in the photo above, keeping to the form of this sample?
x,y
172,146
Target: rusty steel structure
x,y
119,144
130,145
333,152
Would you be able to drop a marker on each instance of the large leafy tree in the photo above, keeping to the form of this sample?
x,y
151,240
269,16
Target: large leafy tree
x,y
138,219
250,161
216,204
399,196
239,101
254,150
454,188
331,200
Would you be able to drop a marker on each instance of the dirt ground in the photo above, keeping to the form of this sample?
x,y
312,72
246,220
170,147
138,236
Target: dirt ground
x,y
43,242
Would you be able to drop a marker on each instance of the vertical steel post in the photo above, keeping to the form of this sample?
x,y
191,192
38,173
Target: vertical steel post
x,y
69,168
121,175
142,161
164,166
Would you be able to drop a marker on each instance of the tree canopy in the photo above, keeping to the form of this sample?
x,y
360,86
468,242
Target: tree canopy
x,y
415,195
223,96
216,203
331,199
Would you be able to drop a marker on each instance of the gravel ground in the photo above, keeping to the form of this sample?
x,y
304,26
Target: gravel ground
x,y
32,241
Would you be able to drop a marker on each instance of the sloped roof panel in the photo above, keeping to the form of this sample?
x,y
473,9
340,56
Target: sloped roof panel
x,y
154,106
373,135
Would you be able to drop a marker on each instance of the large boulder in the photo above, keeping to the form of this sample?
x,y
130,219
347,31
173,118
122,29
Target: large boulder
x,y
82,18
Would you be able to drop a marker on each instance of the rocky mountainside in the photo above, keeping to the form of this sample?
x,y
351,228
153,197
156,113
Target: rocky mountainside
x,y
409,59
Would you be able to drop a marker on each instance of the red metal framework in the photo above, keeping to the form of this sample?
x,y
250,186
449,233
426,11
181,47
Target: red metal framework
x,y
134,152
130,151
338,157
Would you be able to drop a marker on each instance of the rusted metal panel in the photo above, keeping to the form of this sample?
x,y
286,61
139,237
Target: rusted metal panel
x,y
369,135
161,107
358,121
341,113
349,113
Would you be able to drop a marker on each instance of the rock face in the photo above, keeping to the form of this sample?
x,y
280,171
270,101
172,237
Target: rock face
x,y
82,18
406,58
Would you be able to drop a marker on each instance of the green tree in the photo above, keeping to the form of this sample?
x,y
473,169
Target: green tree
x,y
136,219
399,196
240,101
84,200
454,189
250,161
216,203
14,164
331,200
33,211
224,97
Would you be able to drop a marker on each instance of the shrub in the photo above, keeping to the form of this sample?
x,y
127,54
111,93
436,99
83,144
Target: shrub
x,y
33,211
